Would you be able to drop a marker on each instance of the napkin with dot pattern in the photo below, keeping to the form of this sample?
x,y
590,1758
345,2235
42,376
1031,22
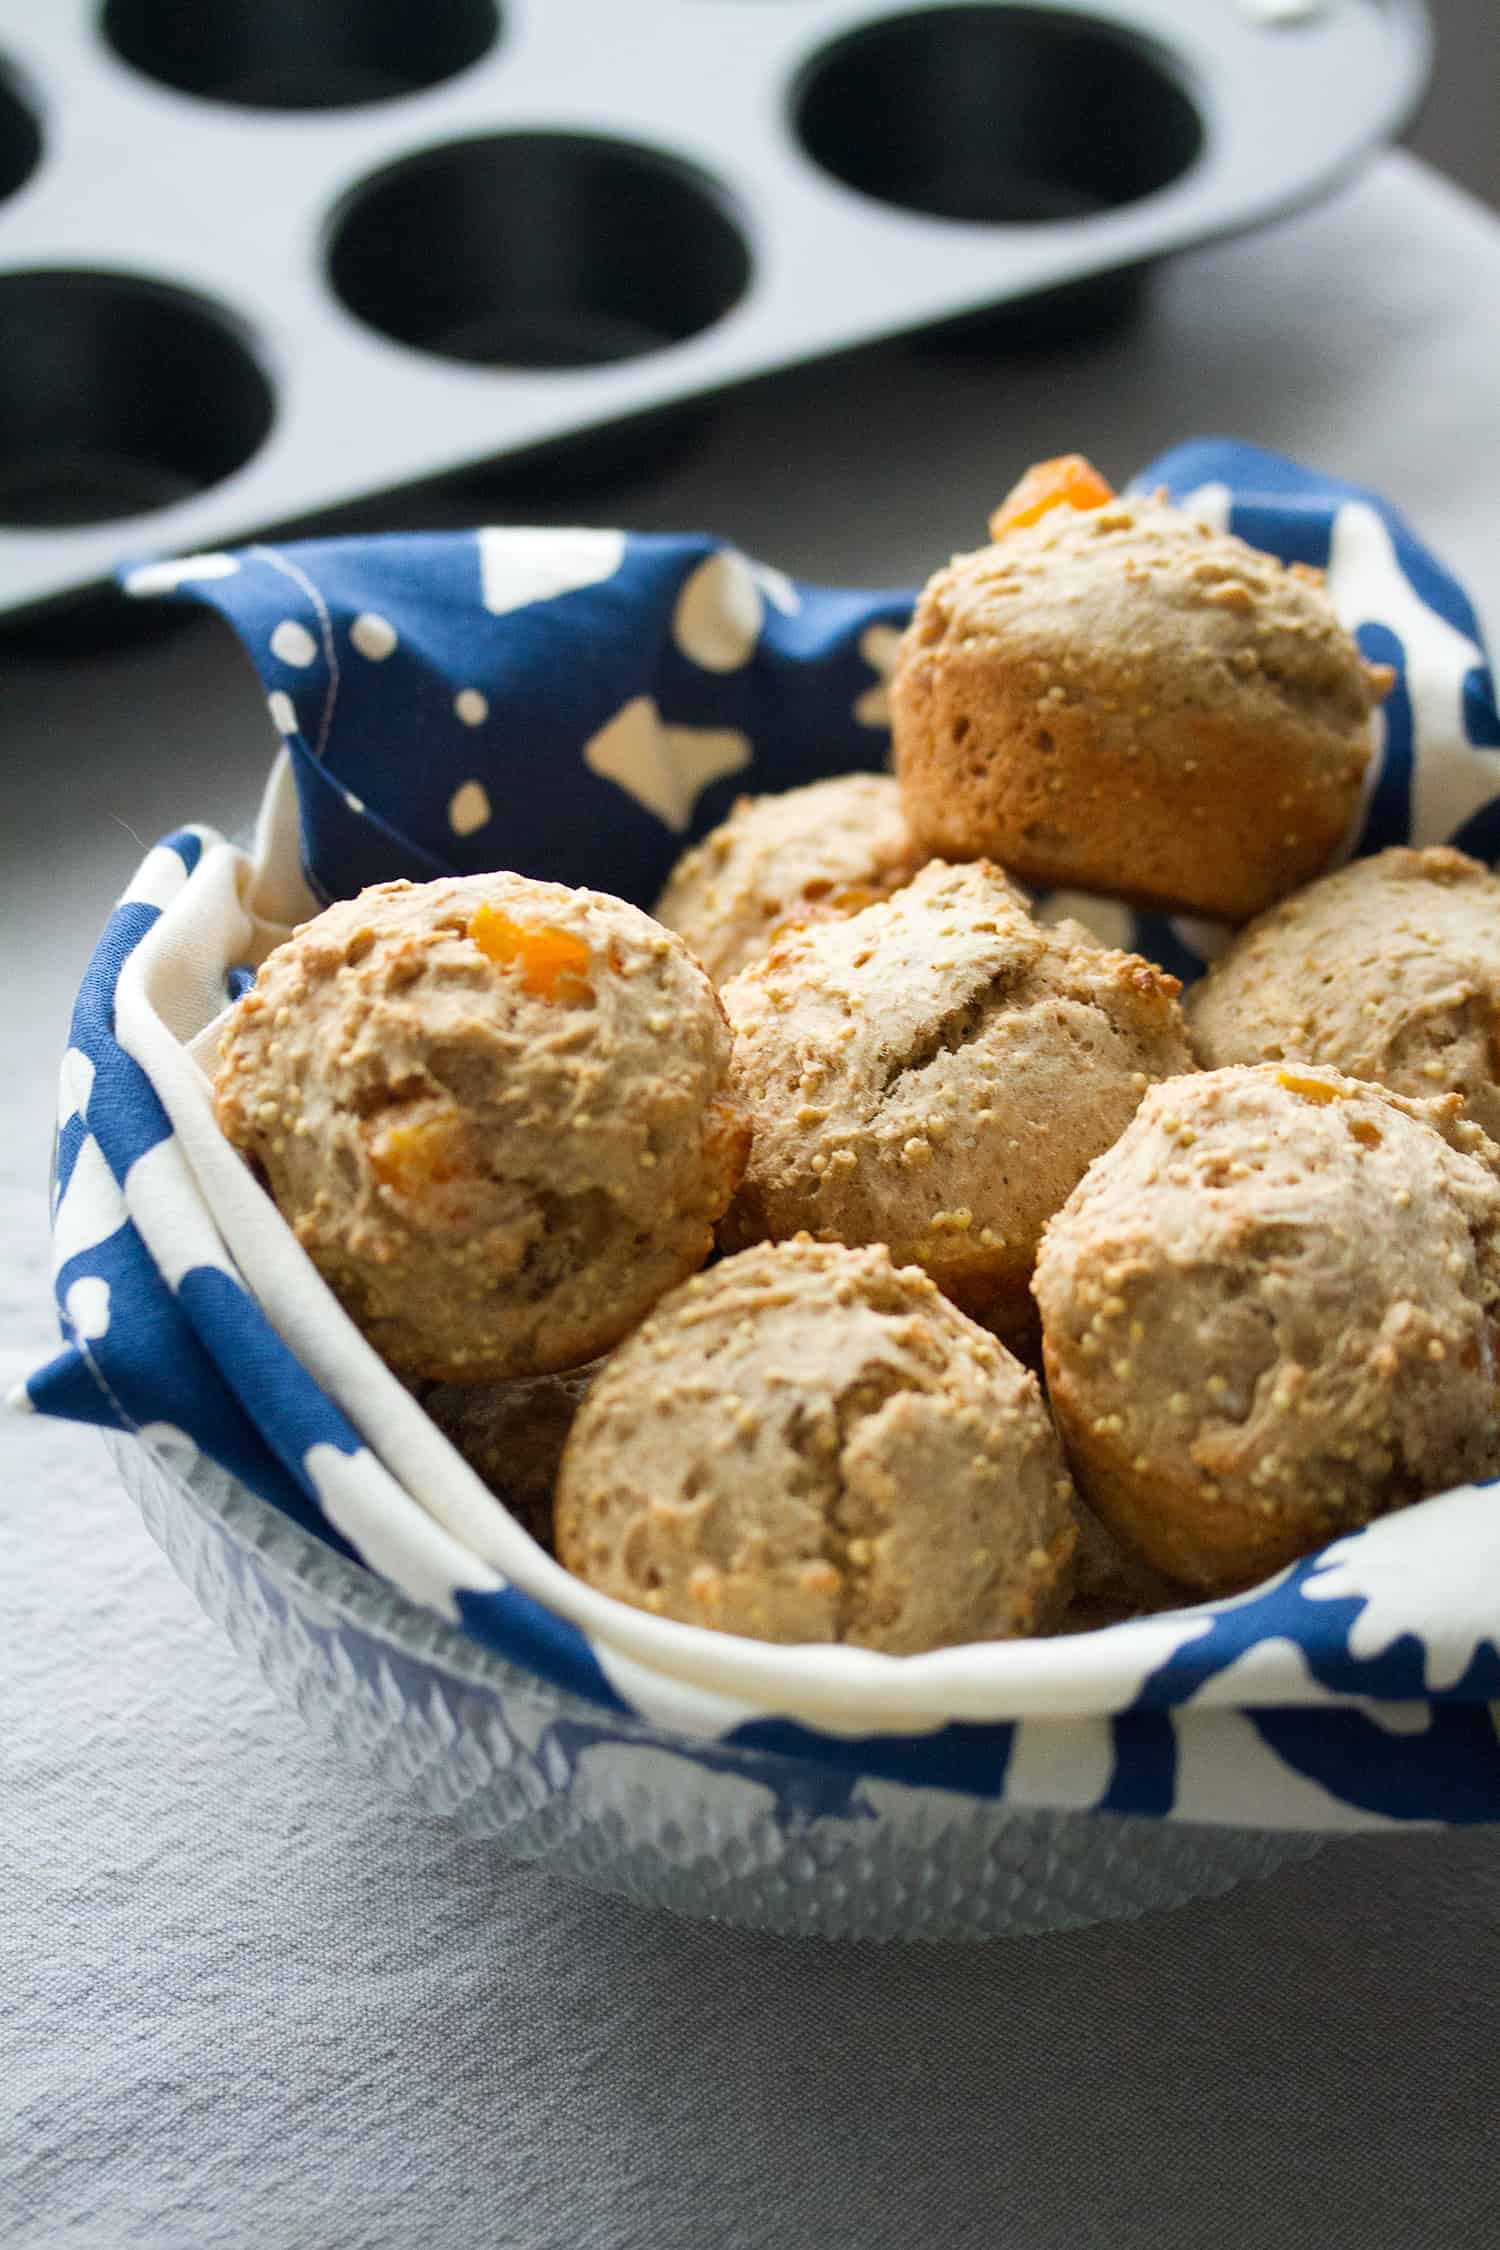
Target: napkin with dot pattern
x,y
579,704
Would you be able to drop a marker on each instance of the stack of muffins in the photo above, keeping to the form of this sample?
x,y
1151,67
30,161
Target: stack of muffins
x,y
860,1250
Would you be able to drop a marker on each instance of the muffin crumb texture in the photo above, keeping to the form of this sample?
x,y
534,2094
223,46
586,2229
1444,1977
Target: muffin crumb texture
x,y
1388,970
1269,1315
495,1112
935,1073
808,1443
1117,698
803,855
1252,1238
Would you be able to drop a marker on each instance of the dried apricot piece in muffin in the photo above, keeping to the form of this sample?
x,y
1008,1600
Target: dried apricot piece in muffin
x,y
1117,698
798,856
495,1112
807,1443
1269,1315
934,1073
1070,480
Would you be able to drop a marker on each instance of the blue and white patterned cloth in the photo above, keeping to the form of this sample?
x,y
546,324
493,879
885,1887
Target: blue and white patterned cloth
x,y
578,704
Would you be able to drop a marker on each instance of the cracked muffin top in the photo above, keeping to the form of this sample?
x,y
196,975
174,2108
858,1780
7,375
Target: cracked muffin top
x,y
1389,970
798,856
1269,1314
807,1443
496,1113
1115,697
934,1073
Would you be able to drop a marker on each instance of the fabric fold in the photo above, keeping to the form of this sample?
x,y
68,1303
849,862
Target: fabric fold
x,y
578,704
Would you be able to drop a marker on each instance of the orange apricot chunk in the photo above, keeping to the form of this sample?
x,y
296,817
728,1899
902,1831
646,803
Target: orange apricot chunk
x,y
1315,1090
553,963
1069,481
429,1152
854,898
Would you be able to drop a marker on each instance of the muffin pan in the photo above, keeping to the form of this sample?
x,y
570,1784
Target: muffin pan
x,y
261,259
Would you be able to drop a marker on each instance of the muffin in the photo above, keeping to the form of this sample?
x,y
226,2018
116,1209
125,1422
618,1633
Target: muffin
x,y
795,857
808,1443
1389,970
934,1073
1268,1315
1118,699
495,1112
512,1435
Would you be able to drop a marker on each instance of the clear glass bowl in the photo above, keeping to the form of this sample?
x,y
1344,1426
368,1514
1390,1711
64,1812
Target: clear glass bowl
x,y
707,1829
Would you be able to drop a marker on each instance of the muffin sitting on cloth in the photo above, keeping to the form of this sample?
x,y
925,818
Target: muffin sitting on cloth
x,y
798,856
1115,698
809,1444
506,1120
496,1113
1269,1314
1389,970
934,1073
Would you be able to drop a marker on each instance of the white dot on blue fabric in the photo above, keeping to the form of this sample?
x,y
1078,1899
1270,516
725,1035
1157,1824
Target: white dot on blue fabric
x,y
664,768
294,644
717,619
522,564
283,711
91,1209
75,1084
879,646
778,588
471,707
185,570
87,1305
373,635
469,808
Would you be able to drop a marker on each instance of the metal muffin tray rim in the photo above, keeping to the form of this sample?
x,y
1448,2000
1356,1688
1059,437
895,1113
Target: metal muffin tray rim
x,y
250,211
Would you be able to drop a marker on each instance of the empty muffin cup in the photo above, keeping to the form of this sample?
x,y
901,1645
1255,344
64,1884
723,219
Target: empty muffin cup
x,y
538,250
1002,116
118,395
300,54
20,136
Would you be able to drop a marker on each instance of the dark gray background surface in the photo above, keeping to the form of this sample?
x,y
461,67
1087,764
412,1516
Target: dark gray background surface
x,y
247,2002
1459,127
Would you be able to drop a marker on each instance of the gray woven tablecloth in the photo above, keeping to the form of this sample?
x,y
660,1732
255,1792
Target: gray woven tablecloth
x,y
244,2001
